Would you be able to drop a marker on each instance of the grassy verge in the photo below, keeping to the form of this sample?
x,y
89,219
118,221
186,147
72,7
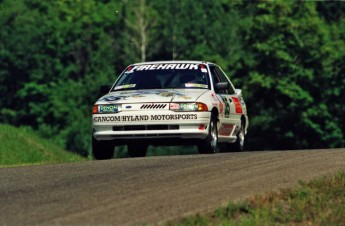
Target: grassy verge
x,y
21,146
319,202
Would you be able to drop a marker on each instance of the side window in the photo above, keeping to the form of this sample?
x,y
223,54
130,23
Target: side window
x,y
223,78
216,77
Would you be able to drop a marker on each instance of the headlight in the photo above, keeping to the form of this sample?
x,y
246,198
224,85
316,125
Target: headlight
x,y
106,109
188,107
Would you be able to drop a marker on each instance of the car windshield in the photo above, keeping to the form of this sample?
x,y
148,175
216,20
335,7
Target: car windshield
x,y
163,76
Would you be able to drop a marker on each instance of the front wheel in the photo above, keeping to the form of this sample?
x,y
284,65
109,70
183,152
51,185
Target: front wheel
x,y
102,149
210,144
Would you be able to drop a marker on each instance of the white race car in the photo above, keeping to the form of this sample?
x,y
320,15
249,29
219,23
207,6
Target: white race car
x,y
169,103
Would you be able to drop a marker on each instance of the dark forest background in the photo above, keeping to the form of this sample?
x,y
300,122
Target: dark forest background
x,y
288,57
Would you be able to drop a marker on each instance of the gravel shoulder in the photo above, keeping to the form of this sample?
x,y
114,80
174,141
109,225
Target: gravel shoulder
x,y
153,189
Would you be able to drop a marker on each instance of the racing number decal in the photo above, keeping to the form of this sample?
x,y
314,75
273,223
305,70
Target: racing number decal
x,y
238,105
227,107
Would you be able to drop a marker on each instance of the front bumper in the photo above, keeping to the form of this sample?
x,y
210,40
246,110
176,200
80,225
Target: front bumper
x,y
150,125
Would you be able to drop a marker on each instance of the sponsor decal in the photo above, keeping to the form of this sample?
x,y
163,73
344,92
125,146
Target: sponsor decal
x,y
227,107
137,96
166,94
174,106
195,85
214,97
226,129
185,97
139,118
113,98
221,105
202,127
174,117
108,108
125,86
153,106
238,105
150,67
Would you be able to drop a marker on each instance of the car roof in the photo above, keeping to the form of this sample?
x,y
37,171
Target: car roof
x,y
173,62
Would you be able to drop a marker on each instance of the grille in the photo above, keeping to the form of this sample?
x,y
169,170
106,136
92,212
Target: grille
x,y
133,128
149,135
146,127
153,106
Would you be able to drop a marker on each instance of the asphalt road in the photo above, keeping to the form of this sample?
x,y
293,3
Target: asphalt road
x,y
150,190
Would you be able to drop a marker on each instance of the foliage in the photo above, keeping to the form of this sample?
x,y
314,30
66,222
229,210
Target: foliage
x,y
55,57
319,202
21,146
289,79
286,56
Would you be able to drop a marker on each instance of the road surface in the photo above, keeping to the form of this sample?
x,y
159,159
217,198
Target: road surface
x,y
151,190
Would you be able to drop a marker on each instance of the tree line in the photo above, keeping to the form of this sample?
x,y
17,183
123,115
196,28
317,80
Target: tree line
x,y
288,57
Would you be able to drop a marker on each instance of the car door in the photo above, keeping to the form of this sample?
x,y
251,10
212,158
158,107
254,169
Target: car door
x,y
230,117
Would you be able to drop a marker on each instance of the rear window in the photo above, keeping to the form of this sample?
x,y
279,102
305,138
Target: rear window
x,y
162,76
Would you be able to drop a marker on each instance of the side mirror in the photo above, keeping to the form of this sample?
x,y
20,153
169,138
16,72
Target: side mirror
x,y
221,86
104,89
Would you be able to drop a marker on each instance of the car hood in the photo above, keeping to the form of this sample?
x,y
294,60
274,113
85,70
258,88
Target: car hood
x,y
152,95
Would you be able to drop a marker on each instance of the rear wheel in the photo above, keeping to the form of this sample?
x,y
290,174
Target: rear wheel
x,y
137,150
210,144
102,150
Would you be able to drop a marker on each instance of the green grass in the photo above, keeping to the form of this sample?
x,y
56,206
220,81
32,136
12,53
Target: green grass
x,y
21,146
319,202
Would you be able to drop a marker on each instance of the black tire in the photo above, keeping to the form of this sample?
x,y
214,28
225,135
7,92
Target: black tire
x,y
137,150
210,144
238,145
102,150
